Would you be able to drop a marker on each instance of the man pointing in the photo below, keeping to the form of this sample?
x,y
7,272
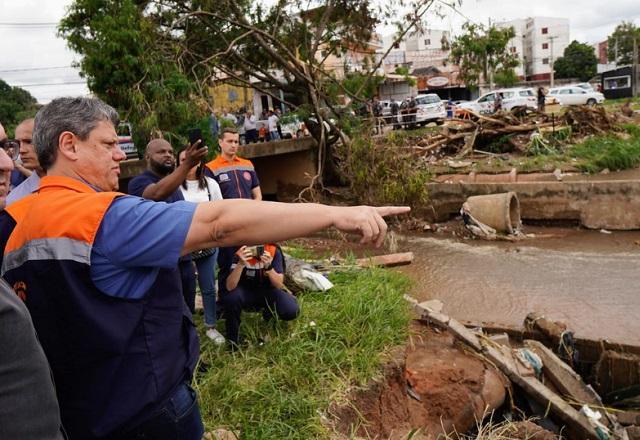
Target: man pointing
x,y
100,279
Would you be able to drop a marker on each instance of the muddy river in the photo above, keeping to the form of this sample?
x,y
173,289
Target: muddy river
x,y
588,279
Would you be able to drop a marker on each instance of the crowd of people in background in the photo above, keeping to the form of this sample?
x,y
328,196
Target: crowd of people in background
x,y
251,128
97,291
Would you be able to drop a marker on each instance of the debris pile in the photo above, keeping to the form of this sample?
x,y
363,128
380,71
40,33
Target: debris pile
x,y
521,129
542,366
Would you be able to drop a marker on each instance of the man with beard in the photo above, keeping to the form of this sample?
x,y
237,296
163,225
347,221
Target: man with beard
x,y
161,183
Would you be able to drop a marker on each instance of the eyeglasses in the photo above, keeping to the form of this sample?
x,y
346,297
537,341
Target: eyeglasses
x,y
9,144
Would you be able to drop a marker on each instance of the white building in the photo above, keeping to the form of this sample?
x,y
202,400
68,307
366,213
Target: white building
x,y
538,42
417,50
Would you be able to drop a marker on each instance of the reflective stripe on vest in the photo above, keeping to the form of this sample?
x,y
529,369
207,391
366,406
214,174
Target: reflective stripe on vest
x,y
115,362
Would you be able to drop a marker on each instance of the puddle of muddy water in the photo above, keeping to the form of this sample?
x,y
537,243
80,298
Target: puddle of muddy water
x,y
587,279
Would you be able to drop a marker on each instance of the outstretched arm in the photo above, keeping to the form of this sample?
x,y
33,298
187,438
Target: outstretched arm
x,y
236,222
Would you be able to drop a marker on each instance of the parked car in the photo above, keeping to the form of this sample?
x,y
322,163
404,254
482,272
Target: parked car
x,y
510,98
573,95
586,86
125,140
386,108
430,108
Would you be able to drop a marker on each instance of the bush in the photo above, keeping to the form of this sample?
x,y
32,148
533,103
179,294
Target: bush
x,y
611,152
382,172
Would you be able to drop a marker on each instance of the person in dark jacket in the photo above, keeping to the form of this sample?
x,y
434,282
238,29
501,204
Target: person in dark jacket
x,y
28,405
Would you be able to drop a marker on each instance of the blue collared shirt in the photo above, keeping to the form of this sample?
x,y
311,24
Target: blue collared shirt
x,y
137,238
24,189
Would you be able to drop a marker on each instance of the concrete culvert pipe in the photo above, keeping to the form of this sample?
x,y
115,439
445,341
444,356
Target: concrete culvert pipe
x,y
500,211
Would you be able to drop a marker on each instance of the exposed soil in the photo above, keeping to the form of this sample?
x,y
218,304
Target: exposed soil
x,y
528,431
434,387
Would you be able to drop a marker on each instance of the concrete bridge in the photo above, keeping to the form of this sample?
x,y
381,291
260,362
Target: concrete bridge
x,y
283,167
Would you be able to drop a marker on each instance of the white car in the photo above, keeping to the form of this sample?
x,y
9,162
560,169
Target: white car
x,y
125,140
588,87
430,108
573,95
510,98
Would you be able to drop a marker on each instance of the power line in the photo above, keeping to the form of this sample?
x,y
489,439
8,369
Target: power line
x,y
50,84
33,24
30,69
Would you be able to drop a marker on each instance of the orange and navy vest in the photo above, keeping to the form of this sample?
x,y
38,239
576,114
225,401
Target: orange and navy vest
x,y
114,361
236,178
253,275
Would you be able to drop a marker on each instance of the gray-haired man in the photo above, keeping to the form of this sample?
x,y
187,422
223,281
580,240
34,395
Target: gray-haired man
x,y
110,313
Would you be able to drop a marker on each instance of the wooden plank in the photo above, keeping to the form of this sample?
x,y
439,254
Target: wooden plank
x,y
454,326
542,394
388,260
567,381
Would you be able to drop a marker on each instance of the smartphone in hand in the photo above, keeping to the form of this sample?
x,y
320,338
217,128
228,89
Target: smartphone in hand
x,y
195,135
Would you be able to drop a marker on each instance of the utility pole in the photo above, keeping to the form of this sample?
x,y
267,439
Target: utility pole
x,y
634,70
551,59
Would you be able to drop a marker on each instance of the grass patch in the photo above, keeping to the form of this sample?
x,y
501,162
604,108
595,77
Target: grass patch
x,y
611,152
401,137
635,102
281,388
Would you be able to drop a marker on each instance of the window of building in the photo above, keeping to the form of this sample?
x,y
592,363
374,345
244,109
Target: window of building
x,y
427,42
513,49
617,82
545,31
396,45
545,61
545,45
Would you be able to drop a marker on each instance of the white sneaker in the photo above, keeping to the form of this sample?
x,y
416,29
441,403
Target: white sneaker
x,y
215,336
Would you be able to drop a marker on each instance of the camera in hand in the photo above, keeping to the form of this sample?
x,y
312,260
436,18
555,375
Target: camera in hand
x,y
256,251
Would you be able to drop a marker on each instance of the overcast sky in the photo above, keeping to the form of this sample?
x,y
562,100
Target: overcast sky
x,y
34,57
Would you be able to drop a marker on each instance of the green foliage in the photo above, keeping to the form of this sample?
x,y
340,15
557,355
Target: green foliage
x,y
368,87
381,173
404,71
126,66
281,388
539,145
481,52
620,42
579,61
506,78
16,105
611,152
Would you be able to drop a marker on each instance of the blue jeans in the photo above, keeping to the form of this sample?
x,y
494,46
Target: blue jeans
x,y
179,419
274,135
207,282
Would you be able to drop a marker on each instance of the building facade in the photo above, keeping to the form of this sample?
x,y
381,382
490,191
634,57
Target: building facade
x,y
417,50
538,42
